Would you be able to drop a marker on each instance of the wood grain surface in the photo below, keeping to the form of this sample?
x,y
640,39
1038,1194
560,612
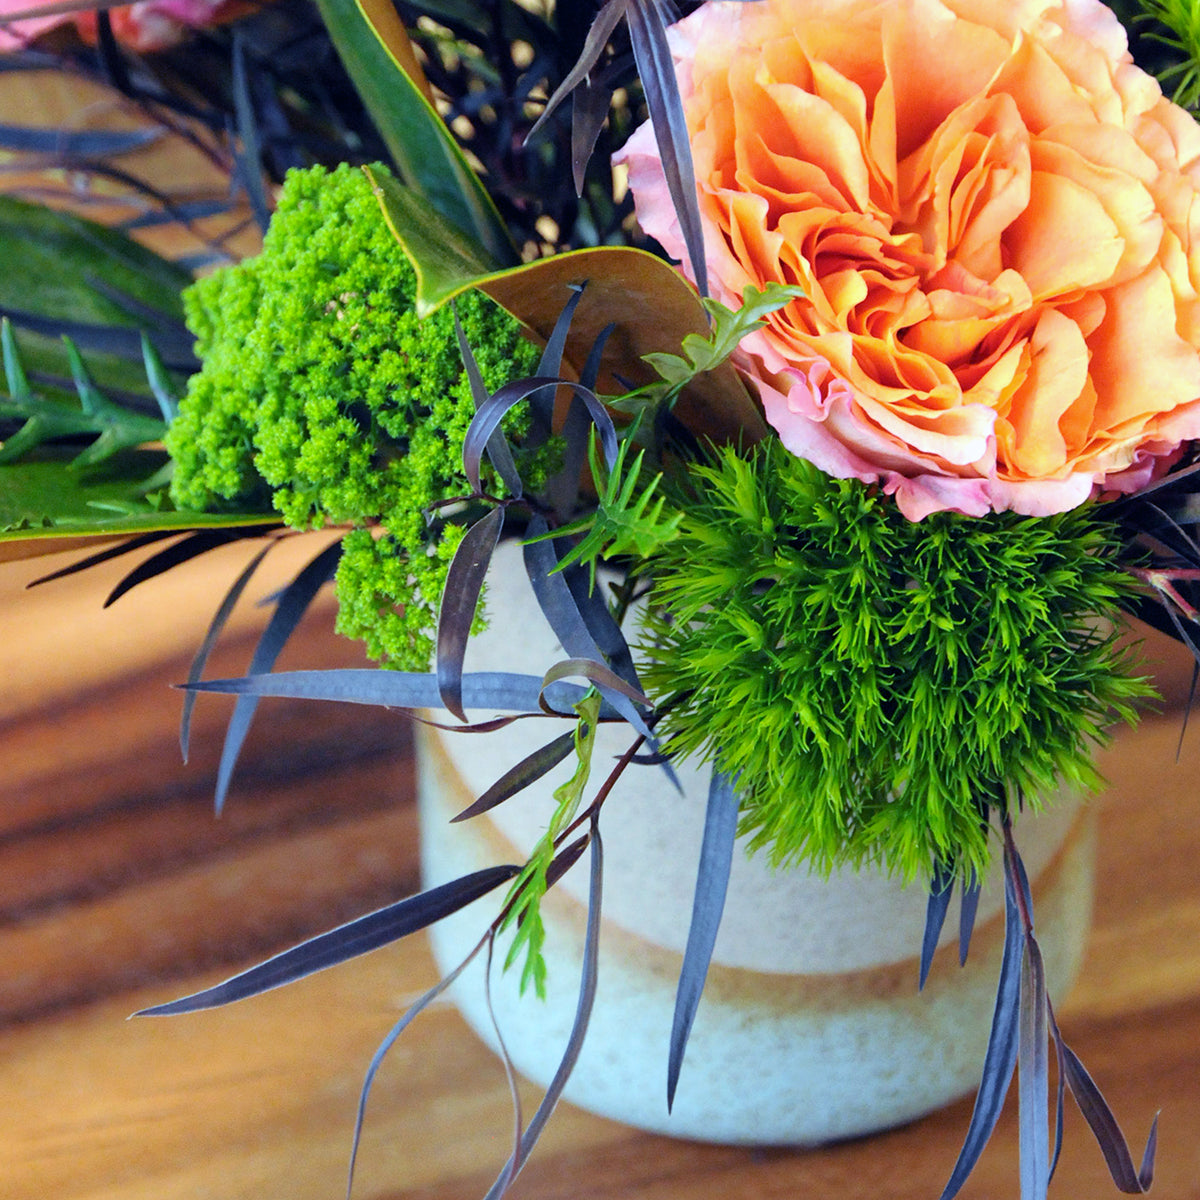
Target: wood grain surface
x,y
118,889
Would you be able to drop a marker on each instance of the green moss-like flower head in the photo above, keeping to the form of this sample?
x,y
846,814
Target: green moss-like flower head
x,y
323,390
877,684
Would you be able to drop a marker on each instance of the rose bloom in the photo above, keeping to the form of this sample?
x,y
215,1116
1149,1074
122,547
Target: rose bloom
x,y
146,25
993,214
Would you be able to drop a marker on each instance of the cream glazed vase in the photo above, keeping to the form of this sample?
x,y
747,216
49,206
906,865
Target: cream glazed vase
x,y
810,1028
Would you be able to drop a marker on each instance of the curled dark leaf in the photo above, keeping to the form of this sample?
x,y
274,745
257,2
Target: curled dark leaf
x,y
460,600
487,419
712,881
347,941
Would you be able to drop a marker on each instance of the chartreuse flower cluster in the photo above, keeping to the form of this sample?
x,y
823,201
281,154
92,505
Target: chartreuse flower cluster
x,y
878,684
322,390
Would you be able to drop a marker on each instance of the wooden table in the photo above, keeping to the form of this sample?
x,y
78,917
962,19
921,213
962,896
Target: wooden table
x,y
119,889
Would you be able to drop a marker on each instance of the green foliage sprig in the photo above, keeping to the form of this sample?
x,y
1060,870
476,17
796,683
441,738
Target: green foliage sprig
x,y
878,685
322,390
628,519
523,908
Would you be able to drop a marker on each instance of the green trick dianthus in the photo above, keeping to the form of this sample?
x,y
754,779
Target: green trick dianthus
x,y
878,685
324,394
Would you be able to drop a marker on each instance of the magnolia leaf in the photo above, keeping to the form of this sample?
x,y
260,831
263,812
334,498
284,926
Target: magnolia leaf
x,y
377,54
650,306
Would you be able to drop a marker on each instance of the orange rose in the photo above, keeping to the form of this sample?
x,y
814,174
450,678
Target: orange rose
x,y
994,216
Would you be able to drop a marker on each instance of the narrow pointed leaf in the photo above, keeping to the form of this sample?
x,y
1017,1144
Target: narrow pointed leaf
x,y
499,690
583,1012
1000,1059
347,941
656,68
497,446
220,617
1033,1076
460,599
292,605
249,159
159,381
598,37
941,888
175,555
530,769
712,881
969,906
413,1011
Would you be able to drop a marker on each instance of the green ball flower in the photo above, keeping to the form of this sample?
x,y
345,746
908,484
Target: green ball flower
x,y
877,685
324,394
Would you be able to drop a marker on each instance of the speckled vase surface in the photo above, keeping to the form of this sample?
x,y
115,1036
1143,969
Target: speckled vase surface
x,y
811,1027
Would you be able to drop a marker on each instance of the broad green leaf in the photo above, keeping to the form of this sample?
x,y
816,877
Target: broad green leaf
x,y
47,505
377,54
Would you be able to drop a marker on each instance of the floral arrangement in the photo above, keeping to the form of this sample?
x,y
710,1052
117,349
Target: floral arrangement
x,y
850,505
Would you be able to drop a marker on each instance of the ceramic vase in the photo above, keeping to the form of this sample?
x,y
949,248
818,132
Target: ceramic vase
x,y
811,1026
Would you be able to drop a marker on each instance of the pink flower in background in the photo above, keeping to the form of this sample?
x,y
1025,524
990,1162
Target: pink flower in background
x,y
147,25
995,219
